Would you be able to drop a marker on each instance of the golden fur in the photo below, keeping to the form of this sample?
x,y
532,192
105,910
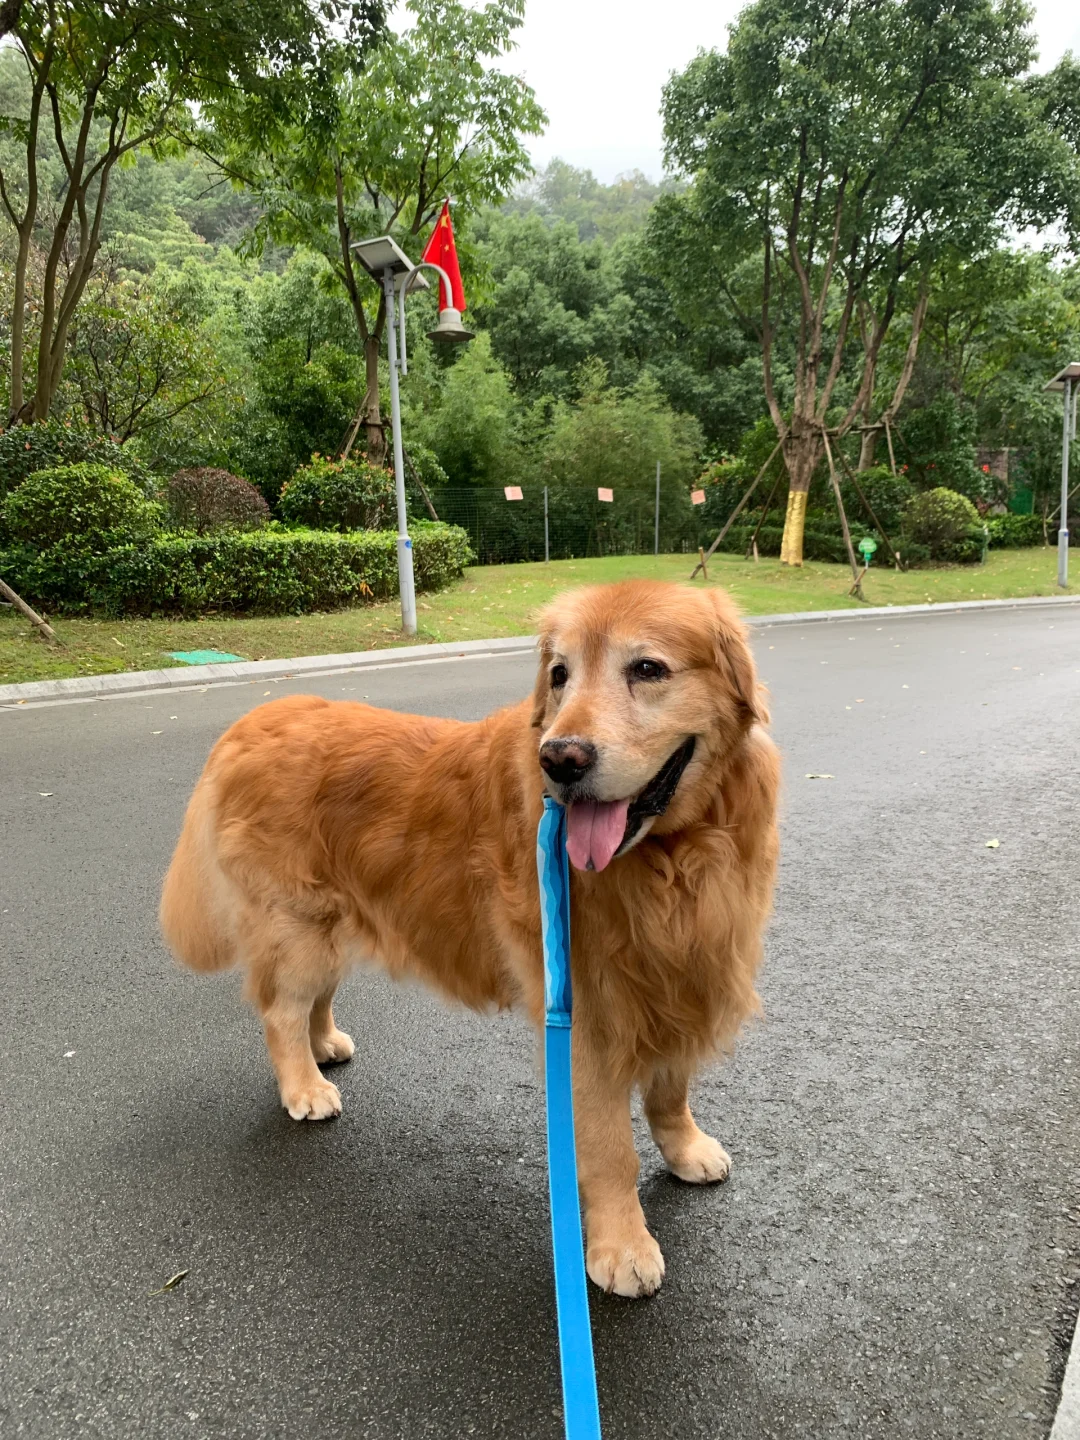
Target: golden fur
x,y
323,833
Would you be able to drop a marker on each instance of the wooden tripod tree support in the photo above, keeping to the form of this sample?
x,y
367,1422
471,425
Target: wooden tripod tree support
x,y
856,588
888,437
751,548
737,511
35,619
869,509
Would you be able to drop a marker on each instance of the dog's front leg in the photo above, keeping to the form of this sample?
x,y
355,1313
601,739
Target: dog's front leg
x,y
690,1153
621,1255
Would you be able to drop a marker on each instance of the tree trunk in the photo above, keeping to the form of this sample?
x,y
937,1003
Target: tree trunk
x,y
867,447
376,435
801,453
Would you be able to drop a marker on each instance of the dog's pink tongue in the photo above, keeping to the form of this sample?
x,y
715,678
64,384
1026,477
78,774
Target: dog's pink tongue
x,y
594,831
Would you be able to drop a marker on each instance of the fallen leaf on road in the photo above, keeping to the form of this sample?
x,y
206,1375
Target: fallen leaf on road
x,y
813,775
171,1283
992,844
68,1054
46,793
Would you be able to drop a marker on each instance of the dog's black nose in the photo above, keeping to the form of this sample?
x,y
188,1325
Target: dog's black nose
x,y
566,761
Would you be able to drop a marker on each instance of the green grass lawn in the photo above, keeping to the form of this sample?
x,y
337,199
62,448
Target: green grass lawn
x,y
501,600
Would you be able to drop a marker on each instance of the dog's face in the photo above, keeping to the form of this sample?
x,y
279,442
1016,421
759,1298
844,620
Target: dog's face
x,y
641,687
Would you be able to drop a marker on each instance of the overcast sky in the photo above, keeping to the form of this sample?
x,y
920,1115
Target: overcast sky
x,y
598,67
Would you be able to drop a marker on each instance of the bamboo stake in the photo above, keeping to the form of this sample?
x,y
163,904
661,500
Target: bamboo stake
x,y
889,437
869,508
31,615
420,484
731,518
761,522
856,588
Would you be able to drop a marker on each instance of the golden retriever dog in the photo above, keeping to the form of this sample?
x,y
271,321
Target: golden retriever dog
x,y
326,833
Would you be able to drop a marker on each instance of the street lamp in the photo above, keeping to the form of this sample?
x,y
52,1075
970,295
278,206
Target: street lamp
x,y
1066,380
384,261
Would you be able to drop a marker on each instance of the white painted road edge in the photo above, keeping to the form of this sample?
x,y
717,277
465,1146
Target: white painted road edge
x,y
1067,1419
194,677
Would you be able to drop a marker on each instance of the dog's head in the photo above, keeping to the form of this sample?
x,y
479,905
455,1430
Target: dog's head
x,y
642,687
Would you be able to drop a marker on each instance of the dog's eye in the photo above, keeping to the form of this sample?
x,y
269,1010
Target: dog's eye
x,y
648,670
558,676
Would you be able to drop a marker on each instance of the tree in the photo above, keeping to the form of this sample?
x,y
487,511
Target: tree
x,y
140,356
842,148
375,149
103,82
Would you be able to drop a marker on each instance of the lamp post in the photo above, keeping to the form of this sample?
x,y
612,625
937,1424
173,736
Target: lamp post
x,y
385,262
1066,380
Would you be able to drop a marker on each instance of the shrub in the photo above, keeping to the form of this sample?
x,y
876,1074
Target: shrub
x,y
1013,532
90,508
270,572
339,495
887,494
205,499
49,444
939,519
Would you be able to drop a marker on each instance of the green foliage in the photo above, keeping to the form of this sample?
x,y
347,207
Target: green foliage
x,y
939,447
615,437
1014,532
83,508
268,572
52,443
141,356
940,519
339,495
205,499
473,419
888,495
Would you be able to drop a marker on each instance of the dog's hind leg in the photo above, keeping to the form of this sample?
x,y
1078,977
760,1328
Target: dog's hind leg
x,y
293,971
690,1153
329,1045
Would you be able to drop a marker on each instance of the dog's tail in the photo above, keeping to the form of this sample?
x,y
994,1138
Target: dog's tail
x,y
194,919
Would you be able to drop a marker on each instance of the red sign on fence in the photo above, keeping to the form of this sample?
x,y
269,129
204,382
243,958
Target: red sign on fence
x,y
513,492
697,497
602,494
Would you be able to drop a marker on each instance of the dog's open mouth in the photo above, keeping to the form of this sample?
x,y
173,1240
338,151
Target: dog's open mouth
x,y
596,830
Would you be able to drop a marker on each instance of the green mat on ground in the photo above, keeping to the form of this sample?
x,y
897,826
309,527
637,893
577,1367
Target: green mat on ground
x,y
202,657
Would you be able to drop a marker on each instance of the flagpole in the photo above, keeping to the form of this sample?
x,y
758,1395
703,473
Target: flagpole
x,y
406,584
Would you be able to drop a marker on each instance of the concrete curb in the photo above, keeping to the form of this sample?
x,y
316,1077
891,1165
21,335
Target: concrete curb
x,y
1067,1419
193,677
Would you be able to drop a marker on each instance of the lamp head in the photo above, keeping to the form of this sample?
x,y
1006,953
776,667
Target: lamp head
x,y
450,330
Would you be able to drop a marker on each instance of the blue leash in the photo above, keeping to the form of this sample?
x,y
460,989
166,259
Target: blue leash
x,y
581,1409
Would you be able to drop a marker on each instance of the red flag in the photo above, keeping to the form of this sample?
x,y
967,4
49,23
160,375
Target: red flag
x,y
441,250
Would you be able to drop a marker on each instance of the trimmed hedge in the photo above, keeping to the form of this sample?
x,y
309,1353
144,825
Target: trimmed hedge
x,y
339,495
85,507
262,572
206,498
50,443
1015,532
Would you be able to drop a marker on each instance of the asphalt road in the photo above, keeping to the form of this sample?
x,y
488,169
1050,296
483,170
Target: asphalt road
x,y
896,1254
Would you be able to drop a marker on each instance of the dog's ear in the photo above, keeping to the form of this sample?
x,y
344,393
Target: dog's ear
x,y
734,658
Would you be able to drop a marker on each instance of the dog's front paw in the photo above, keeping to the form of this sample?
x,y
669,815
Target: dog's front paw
x,y
317,1101
333,1047
701,1160
632,1266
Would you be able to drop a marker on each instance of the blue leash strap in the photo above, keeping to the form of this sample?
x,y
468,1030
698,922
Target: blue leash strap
x,y
581,1408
